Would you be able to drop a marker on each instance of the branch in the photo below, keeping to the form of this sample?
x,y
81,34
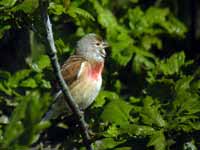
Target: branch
x,y
56,67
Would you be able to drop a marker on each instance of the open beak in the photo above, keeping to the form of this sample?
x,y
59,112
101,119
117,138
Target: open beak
x,y
105,44
103,52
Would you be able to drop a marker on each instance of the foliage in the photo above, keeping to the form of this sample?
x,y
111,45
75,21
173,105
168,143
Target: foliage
x,y
150,95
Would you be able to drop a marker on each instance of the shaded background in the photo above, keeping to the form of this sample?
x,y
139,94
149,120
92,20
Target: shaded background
x,y
150,94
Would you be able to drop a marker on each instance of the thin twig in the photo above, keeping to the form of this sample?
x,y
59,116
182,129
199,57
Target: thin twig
x,y
56,67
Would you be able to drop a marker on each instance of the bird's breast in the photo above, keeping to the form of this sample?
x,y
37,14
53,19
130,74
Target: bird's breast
x,y
96,70
88,86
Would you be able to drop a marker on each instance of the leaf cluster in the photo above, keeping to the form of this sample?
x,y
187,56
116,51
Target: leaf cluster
x,y
150,95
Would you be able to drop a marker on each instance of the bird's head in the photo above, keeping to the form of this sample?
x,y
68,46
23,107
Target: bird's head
x,y
92,47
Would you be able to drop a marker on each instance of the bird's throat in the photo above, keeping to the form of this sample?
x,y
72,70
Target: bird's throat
x,y
96,70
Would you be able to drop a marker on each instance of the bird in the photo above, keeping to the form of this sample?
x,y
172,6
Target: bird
x,y
82,72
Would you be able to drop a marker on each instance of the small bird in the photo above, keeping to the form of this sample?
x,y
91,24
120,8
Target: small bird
x,y
82,73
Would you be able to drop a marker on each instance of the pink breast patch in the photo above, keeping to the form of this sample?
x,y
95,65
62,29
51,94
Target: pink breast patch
x,y
96,70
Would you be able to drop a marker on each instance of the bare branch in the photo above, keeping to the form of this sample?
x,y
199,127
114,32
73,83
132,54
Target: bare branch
x,y
56,67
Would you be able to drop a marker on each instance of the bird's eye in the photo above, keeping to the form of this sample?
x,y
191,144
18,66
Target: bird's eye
x,y
97,44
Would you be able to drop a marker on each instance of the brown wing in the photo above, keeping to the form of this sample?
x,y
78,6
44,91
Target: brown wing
x,y
71,68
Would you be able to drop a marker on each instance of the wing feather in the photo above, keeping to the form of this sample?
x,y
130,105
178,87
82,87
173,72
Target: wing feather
x,y
72,68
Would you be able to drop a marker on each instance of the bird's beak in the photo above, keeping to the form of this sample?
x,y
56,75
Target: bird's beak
x,y
105,44
103,52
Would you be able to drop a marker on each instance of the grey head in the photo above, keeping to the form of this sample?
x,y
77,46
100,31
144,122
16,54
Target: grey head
x,y
92,47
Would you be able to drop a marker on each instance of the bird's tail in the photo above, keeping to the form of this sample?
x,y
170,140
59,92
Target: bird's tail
x,y
54,110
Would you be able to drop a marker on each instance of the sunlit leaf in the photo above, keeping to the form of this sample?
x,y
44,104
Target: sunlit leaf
x,y
137,130
8,3
29,83
102,97
17,77
27,6
118,107
56,9
107,143
75,12
151,114
42,63
158,141
173,64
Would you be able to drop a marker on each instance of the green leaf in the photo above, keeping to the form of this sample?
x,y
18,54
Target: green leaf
x,y
158,141
137,130
62,48
15,128
3,29
134,99
75,12
56,9
172,65
41,82
122,49
42,63
117,86
183,84
141,62
25,127
14,80
112,131
150,114
27,6
185,106
119,107
8,3
5,89
145,22
45,84
186,101
108,143
4,75
29,83
102,97
149,41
